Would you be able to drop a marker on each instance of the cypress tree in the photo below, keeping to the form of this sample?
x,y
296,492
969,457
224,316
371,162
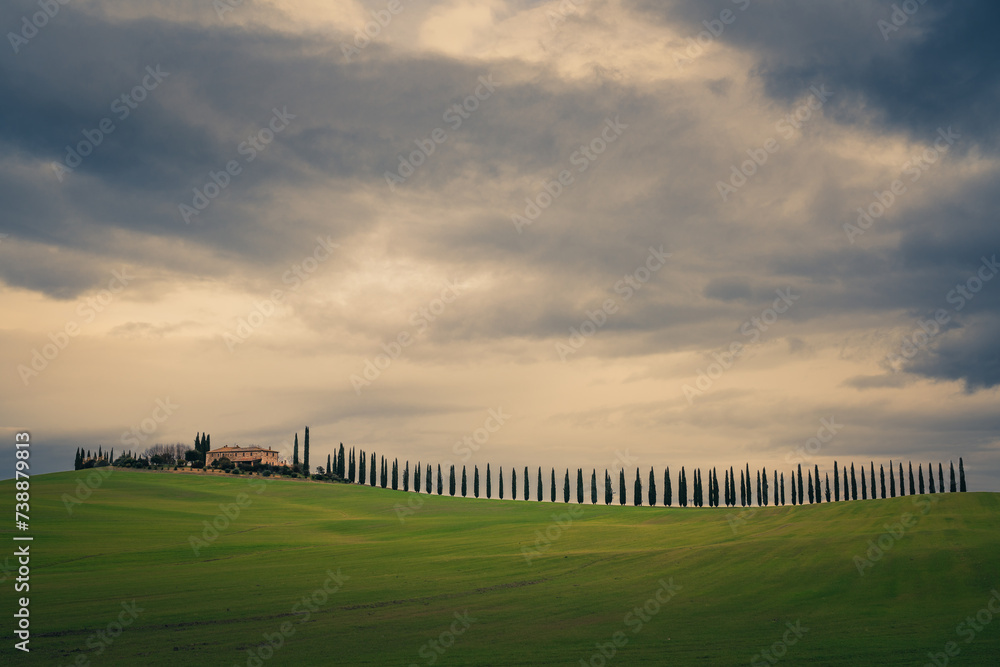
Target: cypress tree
x,y
743,491
416,475
500,483
668,494
440,482
682,488
763,482
305,451
579,486
782,488
566,487
872,478
819,488
940,478
464,483
725,486
527,484
776,487
539,493
715,483
354,465
475,481
593,487
732,487
811,488
913,489
902,481
846,497
489,483
795,498
295,452
395,474
637,490
881,472
342,469
827,487
699,499
608,494
621,485
930,477
552,486
961,476
854,484
328,468
652,489
836,482
801,495
892,481
952,488
429,480
757,495
513,483
384,482
920,475
749,486
362,469
864,487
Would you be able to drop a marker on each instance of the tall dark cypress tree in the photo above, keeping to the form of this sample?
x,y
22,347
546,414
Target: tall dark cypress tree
x,y
363,468
608,493
930,477
699,499
952,487
801,495
416,474
872,479
881,472
836,482
395,474
475,481
682,496
902,480
743,491
637,490
827,487
621,485
819,488
513,483
732,487
776,487
715,484
940,478
846,496
593,487
811,488
464,483
305,451
913,487
892,481
961,476
782,488
566,487
920,478
429,480
552,486
763,482
440,482
757,495
864,487
500,483
579,486
652,489
725,485
371,470
295,452
668,493
527,484
329,470
854,484
795,498
385,473
489,483
540,493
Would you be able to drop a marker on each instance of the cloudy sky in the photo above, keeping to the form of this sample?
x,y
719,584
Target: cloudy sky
x,y
660,232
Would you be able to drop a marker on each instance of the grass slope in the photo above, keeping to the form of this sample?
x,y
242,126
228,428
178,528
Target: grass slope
x,y
740,583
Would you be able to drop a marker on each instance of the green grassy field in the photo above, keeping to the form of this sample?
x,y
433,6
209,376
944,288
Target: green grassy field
x,y
402,582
